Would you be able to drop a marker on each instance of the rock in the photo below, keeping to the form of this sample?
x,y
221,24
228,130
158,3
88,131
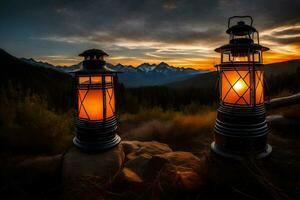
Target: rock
x,y
177,170
37,169
138,164
188,179
130,176
156,162
133,149
85,174
77,164
128,179
149,166
128,182
181,158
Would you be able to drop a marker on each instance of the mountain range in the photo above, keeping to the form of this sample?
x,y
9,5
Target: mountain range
x,y
163,74
143,75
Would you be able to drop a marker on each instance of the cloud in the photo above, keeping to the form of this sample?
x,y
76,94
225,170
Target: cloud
x,y
283,40
148,30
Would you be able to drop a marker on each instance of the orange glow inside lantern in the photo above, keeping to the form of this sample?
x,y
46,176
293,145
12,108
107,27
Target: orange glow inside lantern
x,y
96,100
241,87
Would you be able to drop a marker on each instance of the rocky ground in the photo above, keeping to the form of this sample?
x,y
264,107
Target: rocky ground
x,y
153,170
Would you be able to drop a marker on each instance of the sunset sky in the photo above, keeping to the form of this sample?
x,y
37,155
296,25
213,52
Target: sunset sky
x,y
179,32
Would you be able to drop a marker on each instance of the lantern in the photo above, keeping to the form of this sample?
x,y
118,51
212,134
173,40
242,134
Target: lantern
x,y
95,108
241,128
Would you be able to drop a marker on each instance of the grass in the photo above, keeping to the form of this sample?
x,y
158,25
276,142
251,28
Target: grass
x,y
28,125
180,130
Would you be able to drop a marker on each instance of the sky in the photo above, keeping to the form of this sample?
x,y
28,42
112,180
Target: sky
x,y
179,32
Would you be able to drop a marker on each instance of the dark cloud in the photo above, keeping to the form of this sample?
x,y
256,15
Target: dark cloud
x,y
288,32
65,25
283,41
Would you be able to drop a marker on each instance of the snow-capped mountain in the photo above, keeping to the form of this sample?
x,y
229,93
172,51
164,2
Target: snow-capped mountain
x,y
152,74
143,75
146,67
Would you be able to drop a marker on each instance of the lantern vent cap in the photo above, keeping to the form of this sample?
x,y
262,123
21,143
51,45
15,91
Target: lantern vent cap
x,y
98,53
94,63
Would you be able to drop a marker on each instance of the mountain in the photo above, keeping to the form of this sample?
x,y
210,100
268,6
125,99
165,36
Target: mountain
x,y
41,64
48,82
210,79
151,74
143,75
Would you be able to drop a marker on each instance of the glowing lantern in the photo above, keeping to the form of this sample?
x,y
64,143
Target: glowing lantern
x,y
96,121
241,127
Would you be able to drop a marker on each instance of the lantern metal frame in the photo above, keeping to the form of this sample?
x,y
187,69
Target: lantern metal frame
x,y
241,129
100,134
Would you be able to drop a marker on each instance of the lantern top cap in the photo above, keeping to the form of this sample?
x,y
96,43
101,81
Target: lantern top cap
x,y
94,63
93,53
241,28
244,43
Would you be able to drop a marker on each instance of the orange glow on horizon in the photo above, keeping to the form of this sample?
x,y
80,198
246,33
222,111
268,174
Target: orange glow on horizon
x,y
278,53
203,64
271,57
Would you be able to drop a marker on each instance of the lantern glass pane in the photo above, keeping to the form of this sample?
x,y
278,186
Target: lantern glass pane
x,y
235,87
226,57
256,57
90,104
96,80
259,87
241,58
110,102
84,80
108,79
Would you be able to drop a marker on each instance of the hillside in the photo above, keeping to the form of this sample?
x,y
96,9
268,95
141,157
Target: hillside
x,y
210,79
286,67
49,83
198,81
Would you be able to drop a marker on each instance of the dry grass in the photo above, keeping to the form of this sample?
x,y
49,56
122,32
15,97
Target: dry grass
x,y
190,132
27,125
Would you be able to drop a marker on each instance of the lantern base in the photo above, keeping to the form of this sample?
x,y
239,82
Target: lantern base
x,y
241,132
239,156
97,146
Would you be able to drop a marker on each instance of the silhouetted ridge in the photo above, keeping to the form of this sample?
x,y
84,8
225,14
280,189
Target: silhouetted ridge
x,y
48,83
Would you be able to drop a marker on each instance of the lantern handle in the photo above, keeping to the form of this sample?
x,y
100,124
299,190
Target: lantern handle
x,y
246,16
